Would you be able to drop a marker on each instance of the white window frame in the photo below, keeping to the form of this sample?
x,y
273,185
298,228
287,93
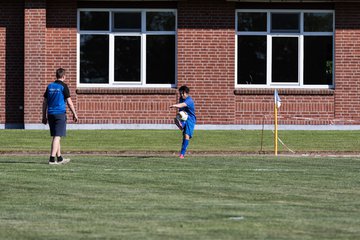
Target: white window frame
x,y
269,35
112,34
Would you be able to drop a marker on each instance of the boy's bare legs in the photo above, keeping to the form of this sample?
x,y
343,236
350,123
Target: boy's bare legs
x,y
55,147
56,151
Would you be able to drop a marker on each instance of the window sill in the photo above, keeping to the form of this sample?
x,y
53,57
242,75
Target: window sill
x,y
285,91
127,91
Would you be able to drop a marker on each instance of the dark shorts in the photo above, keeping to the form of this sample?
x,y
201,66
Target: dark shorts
x,y
57,125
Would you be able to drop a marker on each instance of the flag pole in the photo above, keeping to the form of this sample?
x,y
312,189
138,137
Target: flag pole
x,y
276,130
276,106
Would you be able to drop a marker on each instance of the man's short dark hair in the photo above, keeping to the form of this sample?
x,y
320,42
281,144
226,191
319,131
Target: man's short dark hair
x,y
60,73
184,89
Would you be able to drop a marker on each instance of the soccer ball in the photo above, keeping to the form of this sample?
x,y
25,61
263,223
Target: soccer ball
x,y
182,115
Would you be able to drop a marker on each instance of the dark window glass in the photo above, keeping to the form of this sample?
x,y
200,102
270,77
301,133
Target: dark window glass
x,y
252,22
285,22
94,21
318,60
127,59
318,22
94,58
127,21
285,59
160,59
160,21
252,60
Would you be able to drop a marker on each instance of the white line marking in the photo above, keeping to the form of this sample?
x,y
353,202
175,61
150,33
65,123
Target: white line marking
x,y
237,218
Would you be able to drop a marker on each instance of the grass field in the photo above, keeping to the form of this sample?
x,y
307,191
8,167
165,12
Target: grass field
x,y
211,194
170,140
104,197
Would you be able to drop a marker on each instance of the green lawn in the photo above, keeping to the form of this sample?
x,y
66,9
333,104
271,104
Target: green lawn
x,y
170,140
109,197
112,196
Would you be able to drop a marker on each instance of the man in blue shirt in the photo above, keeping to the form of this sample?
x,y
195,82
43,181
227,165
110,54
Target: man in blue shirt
x,y
56,96
186,104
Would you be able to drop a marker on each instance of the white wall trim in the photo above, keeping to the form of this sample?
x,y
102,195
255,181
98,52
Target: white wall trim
x,y
198,127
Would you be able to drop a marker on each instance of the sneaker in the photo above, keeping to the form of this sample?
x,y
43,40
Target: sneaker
x,y
64,161
178,123
181,156
52,162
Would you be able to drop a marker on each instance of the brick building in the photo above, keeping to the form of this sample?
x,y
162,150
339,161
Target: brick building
x,y
126,59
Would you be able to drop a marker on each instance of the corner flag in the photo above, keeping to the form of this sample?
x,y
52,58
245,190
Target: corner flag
x,y
277,99
277,104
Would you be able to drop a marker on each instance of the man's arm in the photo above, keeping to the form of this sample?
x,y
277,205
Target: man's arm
x,y
72,108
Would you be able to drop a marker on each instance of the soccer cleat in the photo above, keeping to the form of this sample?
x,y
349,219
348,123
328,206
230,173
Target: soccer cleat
x,y
64,161
178,123
181,156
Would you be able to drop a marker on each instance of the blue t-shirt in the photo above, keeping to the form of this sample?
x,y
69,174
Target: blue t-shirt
x,y
189,109
56,95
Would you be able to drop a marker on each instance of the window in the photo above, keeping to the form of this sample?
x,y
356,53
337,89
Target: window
x,y
127,22
285,22
94,55
285,48
126,47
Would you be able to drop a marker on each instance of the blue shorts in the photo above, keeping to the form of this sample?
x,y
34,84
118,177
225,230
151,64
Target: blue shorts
x,y
57,124
188,128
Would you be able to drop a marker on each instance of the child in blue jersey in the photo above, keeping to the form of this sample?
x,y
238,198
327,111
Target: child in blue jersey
x,y
186,104
56,96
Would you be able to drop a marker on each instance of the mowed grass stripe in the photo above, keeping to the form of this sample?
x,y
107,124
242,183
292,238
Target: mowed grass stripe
x,y
165,198
143,141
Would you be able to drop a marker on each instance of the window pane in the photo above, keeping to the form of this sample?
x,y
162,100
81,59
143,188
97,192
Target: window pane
x,y
94,59
251,60
127,21
160,59
318,63
127,59
285,22
94,21
252,22
285,59
318,22
160,21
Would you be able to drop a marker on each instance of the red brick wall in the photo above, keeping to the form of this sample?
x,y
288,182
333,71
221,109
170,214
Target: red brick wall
x,y
299,106
206,63
35,65
308,106
206,58
347,52
125,106
50,43
316,107
61,17
11,62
